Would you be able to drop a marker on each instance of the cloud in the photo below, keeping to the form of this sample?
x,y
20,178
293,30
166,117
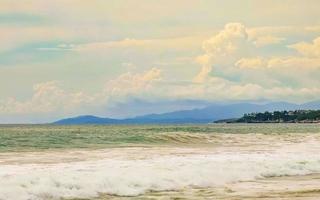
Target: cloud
x,y
267,40
302,63
98,40
261,31
132,84
49,97
308,60
242,71
234,54
127,42
251,63
221,46
290,62
308,49
219,89
14,37
175,43
315,29
202,76
226,41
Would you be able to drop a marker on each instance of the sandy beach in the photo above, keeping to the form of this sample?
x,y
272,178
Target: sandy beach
x,y
284,188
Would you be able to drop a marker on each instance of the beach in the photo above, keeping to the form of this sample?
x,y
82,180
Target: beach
x,y
262,161
285,188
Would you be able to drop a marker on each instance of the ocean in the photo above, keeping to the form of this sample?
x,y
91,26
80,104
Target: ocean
x,y
212,161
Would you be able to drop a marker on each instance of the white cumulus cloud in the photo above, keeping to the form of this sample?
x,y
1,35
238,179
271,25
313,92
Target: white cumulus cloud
x,y
308,49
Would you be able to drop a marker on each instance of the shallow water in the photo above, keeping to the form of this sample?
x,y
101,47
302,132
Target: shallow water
x,y
110,162
46,137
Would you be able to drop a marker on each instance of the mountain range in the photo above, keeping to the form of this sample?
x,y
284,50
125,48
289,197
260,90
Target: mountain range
x,y
207,114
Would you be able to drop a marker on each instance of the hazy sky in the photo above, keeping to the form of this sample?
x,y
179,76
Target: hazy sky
x,y
69,57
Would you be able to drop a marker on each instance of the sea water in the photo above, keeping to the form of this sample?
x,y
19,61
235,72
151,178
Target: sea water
x,y
73,162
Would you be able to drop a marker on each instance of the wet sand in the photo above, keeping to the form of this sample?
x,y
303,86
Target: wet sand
x,y
285,188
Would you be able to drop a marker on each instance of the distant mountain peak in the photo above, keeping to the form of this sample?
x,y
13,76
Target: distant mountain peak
x,y
198,115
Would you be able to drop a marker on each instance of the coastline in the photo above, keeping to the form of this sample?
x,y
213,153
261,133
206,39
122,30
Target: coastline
x,y
305,187
213,162
296,116
264,122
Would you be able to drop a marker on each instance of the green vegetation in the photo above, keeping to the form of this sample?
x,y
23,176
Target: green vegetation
x,y
297,116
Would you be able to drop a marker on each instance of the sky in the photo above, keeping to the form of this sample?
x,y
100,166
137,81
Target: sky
x,y
62,58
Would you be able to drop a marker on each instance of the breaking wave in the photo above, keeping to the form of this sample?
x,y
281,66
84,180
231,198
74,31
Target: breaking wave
x,y
134,176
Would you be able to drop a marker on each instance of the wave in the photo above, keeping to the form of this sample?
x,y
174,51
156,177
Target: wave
x,y
181,138
134,175
39,138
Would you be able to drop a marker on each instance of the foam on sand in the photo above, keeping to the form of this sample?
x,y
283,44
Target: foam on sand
x,y
129,175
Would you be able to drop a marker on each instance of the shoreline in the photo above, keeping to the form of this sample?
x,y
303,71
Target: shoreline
x,y
215,162
304,187
266,122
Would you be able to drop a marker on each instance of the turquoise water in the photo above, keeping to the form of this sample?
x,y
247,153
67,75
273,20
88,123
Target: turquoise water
x,y
44,137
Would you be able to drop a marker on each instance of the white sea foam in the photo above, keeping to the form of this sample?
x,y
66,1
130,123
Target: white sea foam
x,y
134,176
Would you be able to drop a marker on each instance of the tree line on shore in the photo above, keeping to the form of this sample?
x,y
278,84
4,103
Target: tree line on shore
x,y
281,116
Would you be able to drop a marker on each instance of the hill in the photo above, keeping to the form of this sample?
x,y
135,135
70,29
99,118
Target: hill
x,y
204,115
297,116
